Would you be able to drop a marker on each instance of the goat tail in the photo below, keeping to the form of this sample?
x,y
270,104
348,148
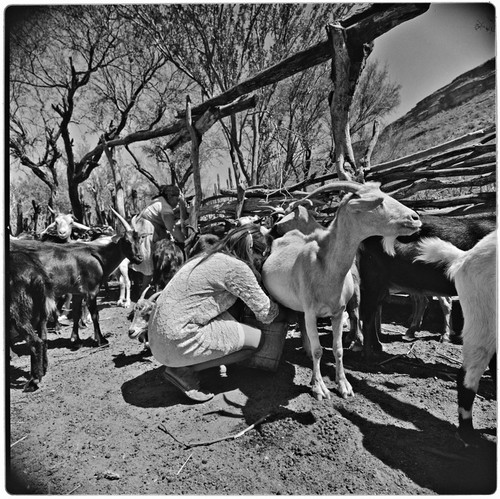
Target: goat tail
x,y
435,250
50,306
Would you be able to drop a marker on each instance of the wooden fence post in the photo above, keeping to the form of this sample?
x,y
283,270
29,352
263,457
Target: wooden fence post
x,y
348,60
195,162
366,161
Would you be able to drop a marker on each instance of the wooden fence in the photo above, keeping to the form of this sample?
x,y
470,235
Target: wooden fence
x,y
457,178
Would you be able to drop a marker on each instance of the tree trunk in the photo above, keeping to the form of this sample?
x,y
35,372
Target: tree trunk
x,y
255,148
19,221
36,214
117,177
74,199
307,161
236,147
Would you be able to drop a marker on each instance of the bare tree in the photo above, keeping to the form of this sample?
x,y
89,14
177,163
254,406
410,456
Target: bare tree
x,y
219,45
79,71
375,97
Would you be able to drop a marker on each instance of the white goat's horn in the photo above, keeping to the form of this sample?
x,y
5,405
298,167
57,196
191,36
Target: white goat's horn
x,y
51,210
144,292
78,225
299,202
122,220
155,296
343,185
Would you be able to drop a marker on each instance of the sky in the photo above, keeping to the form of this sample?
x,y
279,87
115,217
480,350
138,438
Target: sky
x,y
429,51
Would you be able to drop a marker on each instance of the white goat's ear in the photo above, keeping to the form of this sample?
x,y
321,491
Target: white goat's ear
x,y
115,238
366,202
49,227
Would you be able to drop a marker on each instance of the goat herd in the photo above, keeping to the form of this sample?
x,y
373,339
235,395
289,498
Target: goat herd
x,y
373,247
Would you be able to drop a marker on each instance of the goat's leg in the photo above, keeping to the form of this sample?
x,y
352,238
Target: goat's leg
x,y
419,304
43,336
354,339
446,303
344,386
85,314
493,368
319,388
127,292
370,315
98,337
35,345
476,360
76,342
124,300
306,345
65,309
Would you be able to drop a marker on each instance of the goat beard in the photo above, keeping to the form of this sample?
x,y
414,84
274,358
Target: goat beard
x,y
388,245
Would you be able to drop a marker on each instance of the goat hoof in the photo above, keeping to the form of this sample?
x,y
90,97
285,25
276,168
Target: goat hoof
x,y
355,346
76,345
345,394
468,437
31,386
320,394
370,353
409,335
63,320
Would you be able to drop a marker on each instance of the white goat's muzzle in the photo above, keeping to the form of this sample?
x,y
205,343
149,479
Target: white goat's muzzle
x,y
136,333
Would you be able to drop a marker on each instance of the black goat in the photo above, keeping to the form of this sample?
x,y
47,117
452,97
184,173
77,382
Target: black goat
x,y
201,243
31,303
168,256
382,274
80,269
167,260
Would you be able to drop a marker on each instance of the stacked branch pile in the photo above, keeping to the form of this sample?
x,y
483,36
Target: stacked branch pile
x,y
456,178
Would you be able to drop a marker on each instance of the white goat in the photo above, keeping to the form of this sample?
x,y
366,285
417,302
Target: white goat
x,y
125,284
312,273
140,316
63,225
474,274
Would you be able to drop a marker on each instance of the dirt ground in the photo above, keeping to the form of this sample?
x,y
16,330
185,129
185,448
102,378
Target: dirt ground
x,y
104,422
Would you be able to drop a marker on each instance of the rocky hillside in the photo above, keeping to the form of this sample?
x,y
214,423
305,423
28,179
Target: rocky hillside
x,y
465,105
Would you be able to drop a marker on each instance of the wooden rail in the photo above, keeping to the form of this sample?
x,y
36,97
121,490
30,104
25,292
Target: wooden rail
x,y
427,181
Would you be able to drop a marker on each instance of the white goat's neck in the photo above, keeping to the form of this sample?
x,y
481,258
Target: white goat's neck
x,y
339,244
